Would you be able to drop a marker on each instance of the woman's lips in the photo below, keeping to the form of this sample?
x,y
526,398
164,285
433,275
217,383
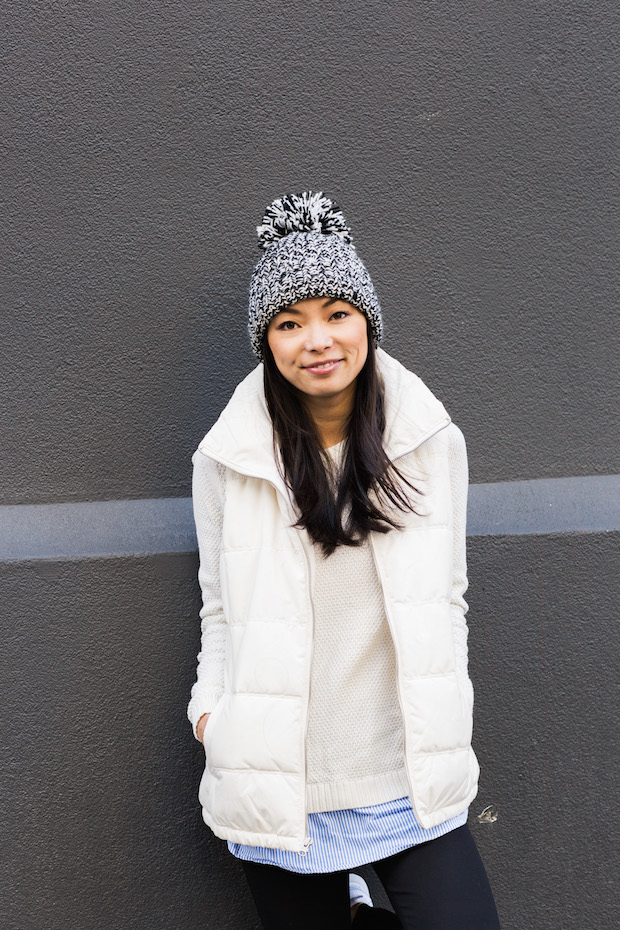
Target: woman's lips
x,y
323,368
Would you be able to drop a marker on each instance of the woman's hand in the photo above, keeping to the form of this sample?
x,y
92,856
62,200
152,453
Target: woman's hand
x,y
200,726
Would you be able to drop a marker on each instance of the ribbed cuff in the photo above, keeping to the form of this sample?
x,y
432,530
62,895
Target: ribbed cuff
x,y
201,704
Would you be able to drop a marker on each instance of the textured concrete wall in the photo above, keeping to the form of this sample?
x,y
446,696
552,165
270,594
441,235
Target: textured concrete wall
x,y
471,147
100,773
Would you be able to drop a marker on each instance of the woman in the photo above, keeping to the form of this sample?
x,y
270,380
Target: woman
x,y
332,693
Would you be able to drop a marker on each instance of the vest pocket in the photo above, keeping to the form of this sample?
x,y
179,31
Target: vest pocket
x,y
208,730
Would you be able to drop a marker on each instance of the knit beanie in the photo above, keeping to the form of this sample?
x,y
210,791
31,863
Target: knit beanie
x,y
307,253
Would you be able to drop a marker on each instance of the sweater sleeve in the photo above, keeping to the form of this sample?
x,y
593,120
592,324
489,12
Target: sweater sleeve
x,y
459,480
208,484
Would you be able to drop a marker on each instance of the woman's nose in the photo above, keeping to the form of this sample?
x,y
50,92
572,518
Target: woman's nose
x,y
318,338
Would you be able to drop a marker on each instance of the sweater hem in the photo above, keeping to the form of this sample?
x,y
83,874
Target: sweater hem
x,y
359,792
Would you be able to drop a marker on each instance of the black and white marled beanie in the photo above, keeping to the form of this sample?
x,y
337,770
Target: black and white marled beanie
x,y
307,253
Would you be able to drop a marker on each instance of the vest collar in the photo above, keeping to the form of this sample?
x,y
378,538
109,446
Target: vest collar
x,y
242,437
412,412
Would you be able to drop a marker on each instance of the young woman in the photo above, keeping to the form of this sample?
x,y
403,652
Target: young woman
x,y
332,693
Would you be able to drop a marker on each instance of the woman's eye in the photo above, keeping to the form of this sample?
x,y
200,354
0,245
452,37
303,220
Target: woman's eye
x,y
287,324
339,314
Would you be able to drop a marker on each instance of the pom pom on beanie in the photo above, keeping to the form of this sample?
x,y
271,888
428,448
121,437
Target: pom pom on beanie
x,y
307,252
305,212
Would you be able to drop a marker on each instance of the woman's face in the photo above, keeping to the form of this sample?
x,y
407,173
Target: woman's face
x,y
320,345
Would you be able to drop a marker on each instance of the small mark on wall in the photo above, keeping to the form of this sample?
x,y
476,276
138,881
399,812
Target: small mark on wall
x,y
429,115
488,815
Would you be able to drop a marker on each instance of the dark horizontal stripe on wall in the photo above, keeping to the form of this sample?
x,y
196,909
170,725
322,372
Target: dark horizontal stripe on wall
x,y
144,527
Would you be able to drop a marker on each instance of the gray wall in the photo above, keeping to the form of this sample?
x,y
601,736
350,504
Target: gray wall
x,y
471,147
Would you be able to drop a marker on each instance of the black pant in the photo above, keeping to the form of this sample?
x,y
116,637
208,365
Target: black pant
x,y
438,885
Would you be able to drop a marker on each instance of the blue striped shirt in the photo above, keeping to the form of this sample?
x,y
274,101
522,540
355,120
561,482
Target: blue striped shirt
x,y
348,838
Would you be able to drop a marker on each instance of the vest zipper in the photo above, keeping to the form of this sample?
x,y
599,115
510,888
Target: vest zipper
x,y
308,839
398,688
307,843
426,436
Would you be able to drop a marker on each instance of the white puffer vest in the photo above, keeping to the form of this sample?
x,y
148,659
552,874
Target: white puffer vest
x,y
253,788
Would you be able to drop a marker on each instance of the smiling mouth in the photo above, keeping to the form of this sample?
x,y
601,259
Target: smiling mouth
x,y
321,366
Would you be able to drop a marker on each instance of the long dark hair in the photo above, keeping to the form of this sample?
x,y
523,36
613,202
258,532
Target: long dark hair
x,y
346,514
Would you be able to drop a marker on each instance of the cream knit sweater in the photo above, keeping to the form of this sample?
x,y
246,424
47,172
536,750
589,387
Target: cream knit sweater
x,y
354,742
